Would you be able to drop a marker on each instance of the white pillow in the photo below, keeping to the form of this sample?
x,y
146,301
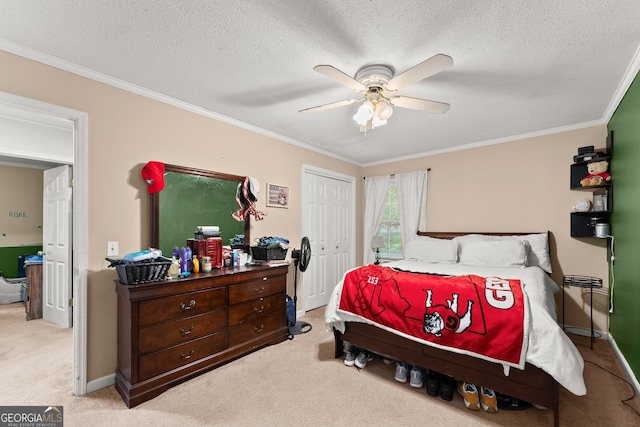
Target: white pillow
x,y
429,249
538,251
497,253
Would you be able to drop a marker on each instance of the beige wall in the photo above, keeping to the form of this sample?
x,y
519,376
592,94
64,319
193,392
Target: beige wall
x,y
517,186
21,199
125,132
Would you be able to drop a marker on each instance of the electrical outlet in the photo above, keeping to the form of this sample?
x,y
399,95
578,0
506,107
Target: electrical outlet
x,y
112,248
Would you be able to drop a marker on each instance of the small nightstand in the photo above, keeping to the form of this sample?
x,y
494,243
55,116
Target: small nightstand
x,y
582,282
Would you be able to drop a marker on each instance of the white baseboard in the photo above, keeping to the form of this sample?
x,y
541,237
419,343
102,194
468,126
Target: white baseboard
x,y
630,376
625,366
100,383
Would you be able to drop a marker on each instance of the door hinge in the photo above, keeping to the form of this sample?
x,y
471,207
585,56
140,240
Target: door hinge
x,y
70,302
71,182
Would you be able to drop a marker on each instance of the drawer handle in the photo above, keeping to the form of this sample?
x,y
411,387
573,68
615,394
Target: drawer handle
x,y
259,291
259,310
265,278
183,331
184,306
260,329
186,356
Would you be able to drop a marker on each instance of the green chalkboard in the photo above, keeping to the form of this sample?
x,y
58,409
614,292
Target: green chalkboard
x,y
192,198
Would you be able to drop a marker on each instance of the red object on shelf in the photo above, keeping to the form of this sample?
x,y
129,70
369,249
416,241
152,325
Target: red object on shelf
x,y
211,247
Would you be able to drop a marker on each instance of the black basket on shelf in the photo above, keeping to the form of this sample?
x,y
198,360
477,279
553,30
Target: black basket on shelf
x,y
261,253
134,273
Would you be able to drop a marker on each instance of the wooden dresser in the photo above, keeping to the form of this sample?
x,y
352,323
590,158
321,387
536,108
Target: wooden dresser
x,y
173,330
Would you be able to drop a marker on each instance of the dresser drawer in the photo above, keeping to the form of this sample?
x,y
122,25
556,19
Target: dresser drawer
x,y
257,288
251,330
255,309
167,334
165,360
181,305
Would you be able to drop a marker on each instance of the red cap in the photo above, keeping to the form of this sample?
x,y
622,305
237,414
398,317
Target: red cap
x,y
153,174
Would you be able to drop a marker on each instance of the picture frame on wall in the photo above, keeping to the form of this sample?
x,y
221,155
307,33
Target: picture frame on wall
x,y
277,196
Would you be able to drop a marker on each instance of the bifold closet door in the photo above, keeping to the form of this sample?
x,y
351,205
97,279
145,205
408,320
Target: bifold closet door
x,y
328,224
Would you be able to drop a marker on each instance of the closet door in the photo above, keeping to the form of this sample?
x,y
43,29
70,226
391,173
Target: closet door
x,y
328,222
337,230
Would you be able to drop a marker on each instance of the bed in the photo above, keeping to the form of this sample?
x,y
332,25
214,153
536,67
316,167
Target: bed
x,y
547,357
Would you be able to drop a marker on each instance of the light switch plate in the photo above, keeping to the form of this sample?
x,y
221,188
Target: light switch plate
x,y
112,248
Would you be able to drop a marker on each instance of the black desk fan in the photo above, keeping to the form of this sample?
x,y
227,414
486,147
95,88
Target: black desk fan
x,y
301,259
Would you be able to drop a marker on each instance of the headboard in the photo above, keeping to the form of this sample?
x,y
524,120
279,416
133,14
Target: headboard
x,y
452,234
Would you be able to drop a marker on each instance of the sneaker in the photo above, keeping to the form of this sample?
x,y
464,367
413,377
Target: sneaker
x,y
416,376
362,359
469,394
387,361
447,387
488,400
401,372
433,383
350,357
510,403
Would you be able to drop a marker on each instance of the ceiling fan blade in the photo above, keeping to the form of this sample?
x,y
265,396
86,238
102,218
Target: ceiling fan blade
x,y
340,77
329,106
419,104
426,68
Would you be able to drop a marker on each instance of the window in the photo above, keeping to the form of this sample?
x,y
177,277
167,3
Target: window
x,y
389,227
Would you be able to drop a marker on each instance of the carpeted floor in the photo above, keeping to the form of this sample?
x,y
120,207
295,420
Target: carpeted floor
x,y
294,383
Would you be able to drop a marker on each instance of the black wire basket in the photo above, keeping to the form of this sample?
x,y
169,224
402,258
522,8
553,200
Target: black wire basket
x,y
134,273
268,254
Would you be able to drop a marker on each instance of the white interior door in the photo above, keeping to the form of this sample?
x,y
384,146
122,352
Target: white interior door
x,y
328,222
56,242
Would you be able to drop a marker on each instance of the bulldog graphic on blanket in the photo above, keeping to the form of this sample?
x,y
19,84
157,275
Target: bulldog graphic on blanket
x,y
485,317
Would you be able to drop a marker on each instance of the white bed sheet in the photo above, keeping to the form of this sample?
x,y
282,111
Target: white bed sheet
x,y
549,348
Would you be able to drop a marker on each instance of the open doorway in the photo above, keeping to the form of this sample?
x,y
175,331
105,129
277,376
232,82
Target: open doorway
x,y
16,115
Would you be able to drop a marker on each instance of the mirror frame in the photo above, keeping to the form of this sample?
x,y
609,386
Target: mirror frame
x,y
154,231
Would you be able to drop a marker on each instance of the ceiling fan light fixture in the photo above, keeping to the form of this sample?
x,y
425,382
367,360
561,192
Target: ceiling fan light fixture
x,y
377,84
364,113
360,118
377,122
383,111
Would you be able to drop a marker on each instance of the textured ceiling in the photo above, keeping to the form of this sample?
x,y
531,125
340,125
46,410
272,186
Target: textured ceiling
x,y
520,67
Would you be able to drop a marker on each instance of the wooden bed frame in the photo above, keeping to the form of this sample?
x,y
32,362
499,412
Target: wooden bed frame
x,y
531,384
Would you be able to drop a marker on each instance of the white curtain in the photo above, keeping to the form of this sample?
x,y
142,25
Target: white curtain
x,y
376,190
412,203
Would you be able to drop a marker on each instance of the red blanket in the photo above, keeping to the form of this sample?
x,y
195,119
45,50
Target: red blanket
x,y
481,316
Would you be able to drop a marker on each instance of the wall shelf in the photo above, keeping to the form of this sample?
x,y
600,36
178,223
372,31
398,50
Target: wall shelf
x,y
583,223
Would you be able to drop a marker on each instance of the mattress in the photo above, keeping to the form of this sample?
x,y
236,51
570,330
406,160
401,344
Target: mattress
x,y
549,348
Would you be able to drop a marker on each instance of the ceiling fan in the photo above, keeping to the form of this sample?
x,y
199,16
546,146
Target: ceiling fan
x,y
378,86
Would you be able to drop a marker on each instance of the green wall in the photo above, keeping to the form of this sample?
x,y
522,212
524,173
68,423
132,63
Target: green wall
x,y
9,258
625,172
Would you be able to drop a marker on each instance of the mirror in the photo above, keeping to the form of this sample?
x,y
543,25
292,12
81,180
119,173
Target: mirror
x,y
193,197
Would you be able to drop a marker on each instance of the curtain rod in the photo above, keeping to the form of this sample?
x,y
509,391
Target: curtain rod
x,y
393,174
